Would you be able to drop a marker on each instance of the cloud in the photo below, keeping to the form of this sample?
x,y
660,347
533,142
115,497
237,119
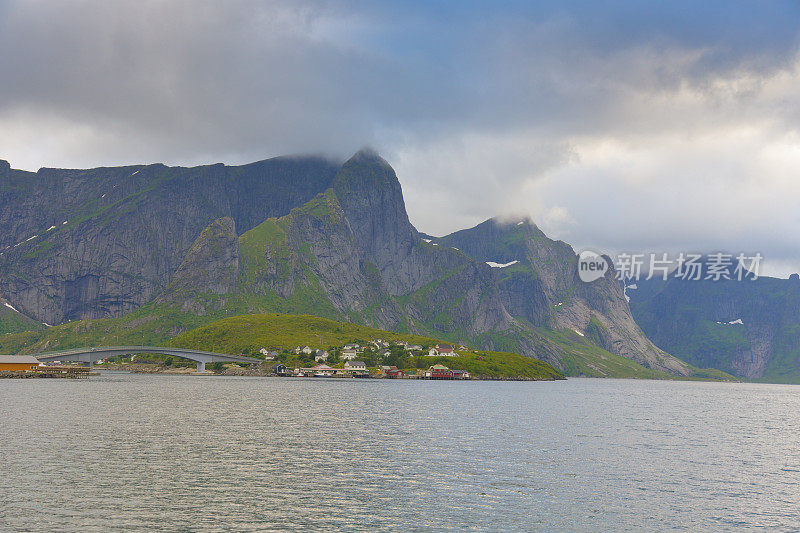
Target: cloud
x,y
619,126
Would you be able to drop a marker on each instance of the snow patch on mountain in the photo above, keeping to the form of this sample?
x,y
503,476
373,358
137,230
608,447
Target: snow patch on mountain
x,y
501,265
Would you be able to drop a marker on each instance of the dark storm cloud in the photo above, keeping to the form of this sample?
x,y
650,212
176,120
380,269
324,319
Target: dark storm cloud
x,y
540,108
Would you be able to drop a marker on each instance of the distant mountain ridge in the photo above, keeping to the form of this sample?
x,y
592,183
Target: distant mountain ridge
x,y
337,244
748,328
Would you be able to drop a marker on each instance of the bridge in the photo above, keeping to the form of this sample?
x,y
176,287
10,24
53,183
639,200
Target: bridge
x,y
90,355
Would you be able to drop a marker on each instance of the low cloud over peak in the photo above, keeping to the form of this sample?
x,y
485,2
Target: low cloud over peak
x,y
621,126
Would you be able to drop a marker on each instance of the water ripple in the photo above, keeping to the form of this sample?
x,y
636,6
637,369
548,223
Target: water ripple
x,y
167,453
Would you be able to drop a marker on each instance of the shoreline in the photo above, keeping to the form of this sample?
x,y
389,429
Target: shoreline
x,y
259,372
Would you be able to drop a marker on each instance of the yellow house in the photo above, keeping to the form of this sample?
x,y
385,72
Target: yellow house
x,y
18,363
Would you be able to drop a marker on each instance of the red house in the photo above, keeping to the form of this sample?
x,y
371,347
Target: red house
x,y
438,372
394,373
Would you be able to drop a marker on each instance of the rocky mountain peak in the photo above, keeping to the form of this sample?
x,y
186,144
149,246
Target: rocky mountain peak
x,y
497,240
211,264
365,170
370,195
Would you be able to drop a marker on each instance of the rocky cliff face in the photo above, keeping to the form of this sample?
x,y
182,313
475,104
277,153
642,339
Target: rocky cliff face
x,y
101,242
304,236
211,264
351,253
538,282
750,328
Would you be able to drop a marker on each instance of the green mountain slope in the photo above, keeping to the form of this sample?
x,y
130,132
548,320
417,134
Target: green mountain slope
x,y
539,286
12,321
748,328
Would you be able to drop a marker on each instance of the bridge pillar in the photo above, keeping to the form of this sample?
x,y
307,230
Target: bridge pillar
x,y
201,366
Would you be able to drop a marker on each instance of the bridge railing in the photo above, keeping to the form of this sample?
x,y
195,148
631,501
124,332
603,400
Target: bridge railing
x,y
120,350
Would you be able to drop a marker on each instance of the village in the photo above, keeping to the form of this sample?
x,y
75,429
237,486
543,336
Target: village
x,y
376,359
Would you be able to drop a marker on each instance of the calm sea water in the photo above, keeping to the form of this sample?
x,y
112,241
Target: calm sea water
x,y
189,453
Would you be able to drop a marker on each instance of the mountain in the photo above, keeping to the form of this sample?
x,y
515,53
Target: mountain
x,y
12,321
749,328
100,243
351,254
538,282
178,247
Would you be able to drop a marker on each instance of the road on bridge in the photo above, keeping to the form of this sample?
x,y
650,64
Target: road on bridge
x,y
92,354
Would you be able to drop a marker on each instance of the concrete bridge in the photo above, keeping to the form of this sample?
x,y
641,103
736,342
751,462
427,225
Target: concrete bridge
x,y
90,355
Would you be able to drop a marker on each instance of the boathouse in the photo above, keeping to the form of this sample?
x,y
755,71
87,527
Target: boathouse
x,y
18,363
438,372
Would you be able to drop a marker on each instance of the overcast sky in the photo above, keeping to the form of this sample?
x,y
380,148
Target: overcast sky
x,y
617,126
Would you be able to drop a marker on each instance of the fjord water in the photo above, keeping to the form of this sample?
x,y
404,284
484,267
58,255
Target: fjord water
x,y
156,452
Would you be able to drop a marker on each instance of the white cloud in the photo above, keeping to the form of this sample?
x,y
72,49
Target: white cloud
x,y
701,167
621,127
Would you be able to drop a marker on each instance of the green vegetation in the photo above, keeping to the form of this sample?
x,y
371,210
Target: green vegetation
x,y
14,322
324,207
681,317
706,342
583,358
145,326
41,249
784,366
241,334
264,245
247,334
578,356
11,343
487,364
265,254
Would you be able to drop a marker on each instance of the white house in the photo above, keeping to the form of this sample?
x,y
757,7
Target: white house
x,y
349,354
304,349
318,371
442,350
321,355
355,366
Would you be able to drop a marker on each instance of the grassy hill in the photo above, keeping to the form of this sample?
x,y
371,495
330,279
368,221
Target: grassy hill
x,y
145,326
247,334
